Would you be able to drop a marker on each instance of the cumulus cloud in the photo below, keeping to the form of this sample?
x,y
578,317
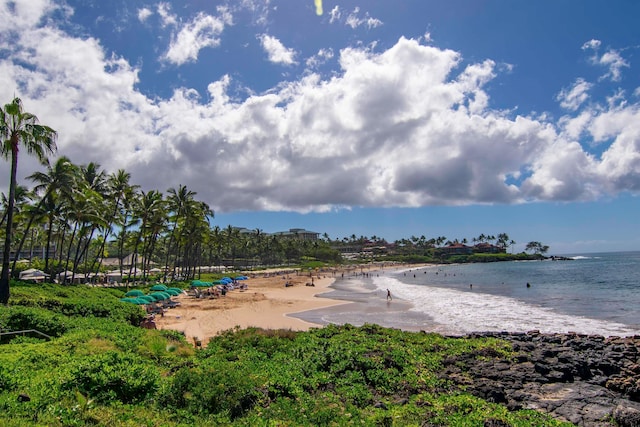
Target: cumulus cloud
x,y
276,51
203,31
572,98
407,126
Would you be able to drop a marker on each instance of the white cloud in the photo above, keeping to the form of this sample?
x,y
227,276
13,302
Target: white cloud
x,y
168,18
276,51
610,59
196,35
334,14
354,20
144,13
592,44
615,63
571,99
402,127
319,58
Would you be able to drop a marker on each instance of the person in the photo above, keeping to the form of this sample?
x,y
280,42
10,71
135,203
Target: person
x,y
389,295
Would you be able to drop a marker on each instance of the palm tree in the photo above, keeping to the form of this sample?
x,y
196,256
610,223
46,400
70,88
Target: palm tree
x,y
16,127
22,196
177,202
150,210
118,188
58,179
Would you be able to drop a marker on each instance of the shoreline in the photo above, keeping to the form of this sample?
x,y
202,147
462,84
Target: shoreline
x,y
267,303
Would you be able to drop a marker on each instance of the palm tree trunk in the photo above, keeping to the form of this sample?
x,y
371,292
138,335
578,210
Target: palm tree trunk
x,y
4,277
66,266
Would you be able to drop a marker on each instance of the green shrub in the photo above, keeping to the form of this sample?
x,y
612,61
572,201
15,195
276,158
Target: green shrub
x,y
114,376
25,318
229,389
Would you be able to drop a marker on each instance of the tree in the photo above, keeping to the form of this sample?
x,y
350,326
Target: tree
x,y
537,248
16,127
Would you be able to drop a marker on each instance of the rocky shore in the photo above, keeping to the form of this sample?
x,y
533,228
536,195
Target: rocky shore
x,y
584,379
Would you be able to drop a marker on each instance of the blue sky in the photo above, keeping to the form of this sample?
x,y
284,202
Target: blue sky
x,y
387,118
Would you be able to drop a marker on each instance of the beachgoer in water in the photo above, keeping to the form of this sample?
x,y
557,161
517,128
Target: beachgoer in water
x,y
528,285
389,295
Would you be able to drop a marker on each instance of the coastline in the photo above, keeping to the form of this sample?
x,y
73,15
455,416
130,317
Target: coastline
x,y
267,303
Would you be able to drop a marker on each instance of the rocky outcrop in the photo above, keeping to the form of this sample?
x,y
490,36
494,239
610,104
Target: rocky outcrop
x,y
584,379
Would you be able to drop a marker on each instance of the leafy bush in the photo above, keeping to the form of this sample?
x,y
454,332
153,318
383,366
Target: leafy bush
x,y
215,388
114,376
25,318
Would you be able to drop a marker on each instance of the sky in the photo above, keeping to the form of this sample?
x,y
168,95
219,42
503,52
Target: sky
x,y
375,118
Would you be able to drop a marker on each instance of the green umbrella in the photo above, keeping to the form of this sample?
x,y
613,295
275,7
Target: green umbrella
x,y
147,298
134,293
172,292
199,284
160,296
158,287
175,289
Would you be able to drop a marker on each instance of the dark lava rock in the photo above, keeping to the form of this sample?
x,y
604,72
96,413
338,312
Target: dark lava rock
x,y
584,379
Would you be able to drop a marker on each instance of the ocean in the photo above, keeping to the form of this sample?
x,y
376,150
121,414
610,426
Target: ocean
x,y
588,294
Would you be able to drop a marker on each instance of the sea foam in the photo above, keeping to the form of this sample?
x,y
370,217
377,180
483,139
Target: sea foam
x,y
464,312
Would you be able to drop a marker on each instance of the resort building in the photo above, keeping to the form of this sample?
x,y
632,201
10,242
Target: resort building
x,y
298,233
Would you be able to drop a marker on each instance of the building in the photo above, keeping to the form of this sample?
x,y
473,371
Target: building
x,y
298,233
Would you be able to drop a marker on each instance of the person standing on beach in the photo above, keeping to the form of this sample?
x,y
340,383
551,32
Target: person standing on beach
x,y
389,295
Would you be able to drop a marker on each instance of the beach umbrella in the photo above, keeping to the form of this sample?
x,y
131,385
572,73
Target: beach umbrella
x,y
217,282
199,284
160,296
134,293
148,298
241,278
172,292
175,289
158,287
133,300
166,295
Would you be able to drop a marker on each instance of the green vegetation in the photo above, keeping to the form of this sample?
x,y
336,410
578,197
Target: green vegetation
x,y
99,369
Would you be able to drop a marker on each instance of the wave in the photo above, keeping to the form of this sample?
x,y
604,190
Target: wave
x,y
465,312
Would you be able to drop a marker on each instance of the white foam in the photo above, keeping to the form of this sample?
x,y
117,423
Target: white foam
x,y
465,312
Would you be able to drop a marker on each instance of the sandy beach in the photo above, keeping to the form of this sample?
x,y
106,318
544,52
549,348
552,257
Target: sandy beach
x,y
266,304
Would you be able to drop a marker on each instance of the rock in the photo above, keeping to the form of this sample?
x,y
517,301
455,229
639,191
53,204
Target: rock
x,y
588,380
626,416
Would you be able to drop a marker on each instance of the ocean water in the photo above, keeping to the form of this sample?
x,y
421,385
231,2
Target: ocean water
x,y
591,294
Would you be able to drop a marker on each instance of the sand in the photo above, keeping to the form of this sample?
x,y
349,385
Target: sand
x,y
265,304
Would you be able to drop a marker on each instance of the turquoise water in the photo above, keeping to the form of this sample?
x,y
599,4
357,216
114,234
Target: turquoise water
x,y
592,293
